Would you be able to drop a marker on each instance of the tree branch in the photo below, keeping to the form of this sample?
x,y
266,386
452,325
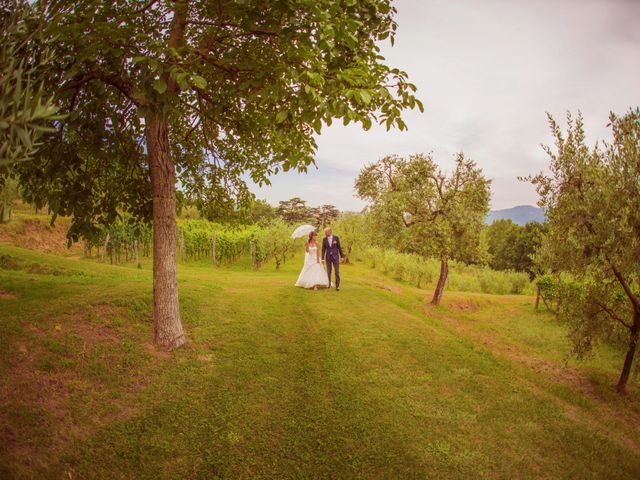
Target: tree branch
x,y
632,298
146,7
612,314
124,86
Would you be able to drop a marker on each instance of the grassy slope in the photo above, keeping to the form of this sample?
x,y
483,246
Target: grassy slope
x,y
277,382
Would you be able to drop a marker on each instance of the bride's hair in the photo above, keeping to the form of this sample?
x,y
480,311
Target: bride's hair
x,y
311,235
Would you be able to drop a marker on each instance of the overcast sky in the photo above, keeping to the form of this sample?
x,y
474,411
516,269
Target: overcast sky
x,y
487,71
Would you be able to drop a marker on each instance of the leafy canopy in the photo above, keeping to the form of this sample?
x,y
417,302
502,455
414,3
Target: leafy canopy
x,y
26,110
418,208
592,196
244,85
511,246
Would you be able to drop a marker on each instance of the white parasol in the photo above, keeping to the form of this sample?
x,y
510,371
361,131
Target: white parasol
x,y
302,230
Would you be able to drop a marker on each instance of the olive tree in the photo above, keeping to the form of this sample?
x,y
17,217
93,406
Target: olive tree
x,y
351,227
592,197
421,209
207,94
275,242
26,109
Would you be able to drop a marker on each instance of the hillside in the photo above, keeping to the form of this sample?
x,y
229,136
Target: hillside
x,y
277,382
520,215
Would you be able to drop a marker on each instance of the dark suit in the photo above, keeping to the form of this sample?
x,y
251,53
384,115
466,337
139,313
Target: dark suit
x,y
332,254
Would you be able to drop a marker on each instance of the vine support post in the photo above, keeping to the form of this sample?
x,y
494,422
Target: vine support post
x,y
254,254
137,252
182,256
213,248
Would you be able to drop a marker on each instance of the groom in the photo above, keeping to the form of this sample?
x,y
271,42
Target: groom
x,y
332,253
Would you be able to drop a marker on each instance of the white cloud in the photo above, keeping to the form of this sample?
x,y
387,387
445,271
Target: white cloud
x,y
487,72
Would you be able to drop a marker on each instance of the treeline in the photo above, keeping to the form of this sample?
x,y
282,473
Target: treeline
x,y
512,247
259,212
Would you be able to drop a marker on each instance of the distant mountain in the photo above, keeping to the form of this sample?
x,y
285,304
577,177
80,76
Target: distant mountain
x,y
521,214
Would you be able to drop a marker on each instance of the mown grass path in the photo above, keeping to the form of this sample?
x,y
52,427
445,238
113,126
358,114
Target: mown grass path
x,y
277,382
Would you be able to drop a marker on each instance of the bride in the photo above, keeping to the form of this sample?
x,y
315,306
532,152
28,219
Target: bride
x,y
312,274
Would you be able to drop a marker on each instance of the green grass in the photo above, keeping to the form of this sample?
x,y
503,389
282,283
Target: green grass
x,y
278,382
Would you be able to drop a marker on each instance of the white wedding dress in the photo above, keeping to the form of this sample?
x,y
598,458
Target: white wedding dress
x,y
312,274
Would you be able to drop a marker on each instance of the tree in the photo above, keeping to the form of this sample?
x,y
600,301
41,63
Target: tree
x,y
8,195
275,242
512,246
422,210
529,242
325,214
26,112
350,227
593,201
294,210
260,212
207,94
502,237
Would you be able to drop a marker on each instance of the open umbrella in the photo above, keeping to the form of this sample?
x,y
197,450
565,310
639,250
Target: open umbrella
x,y
302,230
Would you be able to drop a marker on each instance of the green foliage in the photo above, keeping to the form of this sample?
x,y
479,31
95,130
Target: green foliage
x,y
26,109
260,212
127,235
592,197
549,290
420,209
352,230
294,210
231,241
420,271
275,243
417,208
240,88
324,215
511,246
9,193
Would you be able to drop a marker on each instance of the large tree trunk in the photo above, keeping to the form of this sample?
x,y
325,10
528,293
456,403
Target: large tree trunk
x,y
444,272
631,351
166,311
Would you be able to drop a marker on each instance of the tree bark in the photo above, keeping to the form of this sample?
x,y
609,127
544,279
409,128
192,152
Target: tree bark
x,y
537,297
631,351
166,310
444,273
104,250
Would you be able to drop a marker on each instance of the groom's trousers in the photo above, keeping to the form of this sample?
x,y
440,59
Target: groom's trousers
x,y
335,263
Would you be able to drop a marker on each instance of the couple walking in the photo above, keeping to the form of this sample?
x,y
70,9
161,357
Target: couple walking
x,y
313,274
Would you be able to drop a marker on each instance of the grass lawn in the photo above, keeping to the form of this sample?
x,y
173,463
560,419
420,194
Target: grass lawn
x,y
278,382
